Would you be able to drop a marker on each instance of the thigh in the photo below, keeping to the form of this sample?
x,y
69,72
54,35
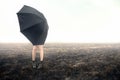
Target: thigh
x,y
40,46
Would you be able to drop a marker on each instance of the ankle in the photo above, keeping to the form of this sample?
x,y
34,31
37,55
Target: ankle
x,y
40,62
33,61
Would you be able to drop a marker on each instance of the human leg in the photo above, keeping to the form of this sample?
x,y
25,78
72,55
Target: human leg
x,y
41,52
34,53
34,56
41,56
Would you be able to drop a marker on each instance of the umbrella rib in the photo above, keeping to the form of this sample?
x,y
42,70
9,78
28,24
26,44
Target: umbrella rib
x,y
29,27
33,14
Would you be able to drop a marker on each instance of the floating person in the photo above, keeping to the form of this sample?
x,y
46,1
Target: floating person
x,y
34,26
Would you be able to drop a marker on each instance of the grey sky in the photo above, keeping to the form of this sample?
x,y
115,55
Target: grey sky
x,y
69,20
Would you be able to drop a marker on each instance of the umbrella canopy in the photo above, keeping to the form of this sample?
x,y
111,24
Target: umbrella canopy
x,y
33,25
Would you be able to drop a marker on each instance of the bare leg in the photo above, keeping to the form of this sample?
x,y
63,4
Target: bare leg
x,y
34,53
41,52
41,56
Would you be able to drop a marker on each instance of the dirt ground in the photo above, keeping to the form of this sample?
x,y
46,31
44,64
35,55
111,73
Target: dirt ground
x,y
63,61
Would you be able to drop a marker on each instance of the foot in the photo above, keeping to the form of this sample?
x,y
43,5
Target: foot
x,y
40,65
34,64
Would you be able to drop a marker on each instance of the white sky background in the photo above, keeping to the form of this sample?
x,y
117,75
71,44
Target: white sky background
x,y
96,21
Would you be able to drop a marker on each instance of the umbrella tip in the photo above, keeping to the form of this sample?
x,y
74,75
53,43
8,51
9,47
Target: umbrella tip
x,y
25,5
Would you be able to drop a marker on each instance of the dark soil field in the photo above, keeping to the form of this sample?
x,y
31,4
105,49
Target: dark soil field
x,y
63,61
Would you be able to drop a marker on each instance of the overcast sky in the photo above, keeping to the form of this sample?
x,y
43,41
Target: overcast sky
x,y
69,20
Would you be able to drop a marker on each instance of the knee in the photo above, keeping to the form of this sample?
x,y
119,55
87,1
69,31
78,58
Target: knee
x,y
40,47
34,48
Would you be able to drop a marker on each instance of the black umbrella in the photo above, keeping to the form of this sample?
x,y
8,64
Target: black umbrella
x,y
33,25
